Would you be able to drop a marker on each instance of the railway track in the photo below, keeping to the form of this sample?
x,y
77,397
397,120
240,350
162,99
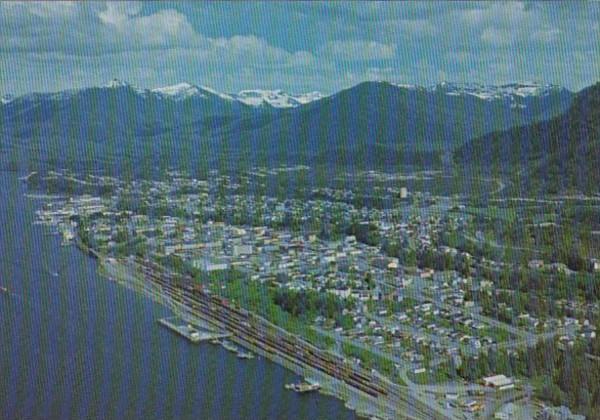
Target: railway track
x,y
250,329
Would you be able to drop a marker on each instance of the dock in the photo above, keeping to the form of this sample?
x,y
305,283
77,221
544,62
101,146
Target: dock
x,y
304,387
230,346
192,333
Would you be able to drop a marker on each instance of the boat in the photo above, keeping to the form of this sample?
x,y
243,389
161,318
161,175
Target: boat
x,y
4,290
303,387
229,346
245,355
193,334
215,341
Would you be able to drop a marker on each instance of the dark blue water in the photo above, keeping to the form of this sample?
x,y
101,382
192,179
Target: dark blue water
x,y
77,346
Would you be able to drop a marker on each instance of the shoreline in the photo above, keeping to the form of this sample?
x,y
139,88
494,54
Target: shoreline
x,y
390,401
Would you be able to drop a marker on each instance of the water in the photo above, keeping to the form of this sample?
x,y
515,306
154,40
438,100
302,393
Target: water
x,y
76,346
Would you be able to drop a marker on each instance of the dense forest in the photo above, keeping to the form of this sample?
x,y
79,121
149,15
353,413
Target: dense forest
x,y
566,375
555,156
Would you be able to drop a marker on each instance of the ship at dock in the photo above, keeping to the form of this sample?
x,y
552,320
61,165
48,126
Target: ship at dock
x,y
229,346
245,355
195,334
303,387
187,331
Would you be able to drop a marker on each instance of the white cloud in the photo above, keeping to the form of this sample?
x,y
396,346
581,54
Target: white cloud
x,y
379,73
497,37
496,13
329,45
123,25
358,50
547,35
301,58
416,27
118,13
43,9
460,57
104,29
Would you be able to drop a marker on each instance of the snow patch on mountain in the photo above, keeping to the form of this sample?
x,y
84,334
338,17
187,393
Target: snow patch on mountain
x,y
276,98
180,91
4,99
407,86
493,92
252,97
308,97
515,95
217,93
115,84
119,84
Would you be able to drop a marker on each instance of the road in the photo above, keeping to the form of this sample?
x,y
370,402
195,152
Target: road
x,y
399,400
495,244
416,391
418,288
373,349
493,400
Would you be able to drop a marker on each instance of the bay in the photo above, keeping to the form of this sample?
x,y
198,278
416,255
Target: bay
x,y
74,345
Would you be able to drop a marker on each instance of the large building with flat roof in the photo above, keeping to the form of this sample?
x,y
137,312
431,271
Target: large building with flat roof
x,y
500,382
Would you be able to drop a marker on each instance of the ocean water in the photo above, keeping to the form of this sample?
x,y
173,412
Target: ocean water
x,y
76,346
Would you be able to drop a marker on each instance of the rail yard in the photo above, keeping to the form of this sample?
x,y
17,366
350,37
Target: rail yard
x,y
382,398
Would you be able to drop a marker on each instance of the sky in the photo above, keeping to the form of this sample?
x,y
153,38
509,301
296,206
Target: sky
x,y
298,47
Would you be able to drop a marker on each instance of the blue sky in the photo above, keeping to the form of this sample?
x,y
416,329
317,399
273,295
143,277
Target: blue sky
x,y
298,46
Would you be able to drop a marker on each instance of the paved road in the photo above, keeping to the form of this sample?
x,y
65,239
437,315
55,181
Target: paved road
x,y
414,390
373,349
495,244
418,286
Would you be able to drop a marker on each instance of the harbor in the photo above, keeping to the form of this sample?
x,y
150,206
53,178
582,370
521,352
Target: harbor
x,y
229,346
368,393
303,387
245,355
189,331
122,353
241,354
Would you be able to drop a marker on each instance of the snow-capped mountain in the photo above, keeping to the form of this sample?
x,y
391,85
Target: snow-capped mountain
x,y
484,91
415,118
407,86
179,92
120,84
513,95
251,97
4,99
276,98
116,84
400,122
491,92
183,91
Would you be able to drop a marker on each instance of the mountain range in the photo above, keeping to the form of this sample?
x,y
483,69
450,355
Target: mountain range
x,y
371,125
384,122
185,92
559,156
517,94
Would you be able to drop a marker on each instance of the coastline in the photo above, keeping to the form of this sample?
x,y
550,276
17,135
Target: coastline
x,y
393,402
77,345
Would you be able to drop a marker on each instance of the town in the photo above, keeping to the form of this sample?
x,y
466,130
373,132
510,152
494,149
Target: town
x,y
414,286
